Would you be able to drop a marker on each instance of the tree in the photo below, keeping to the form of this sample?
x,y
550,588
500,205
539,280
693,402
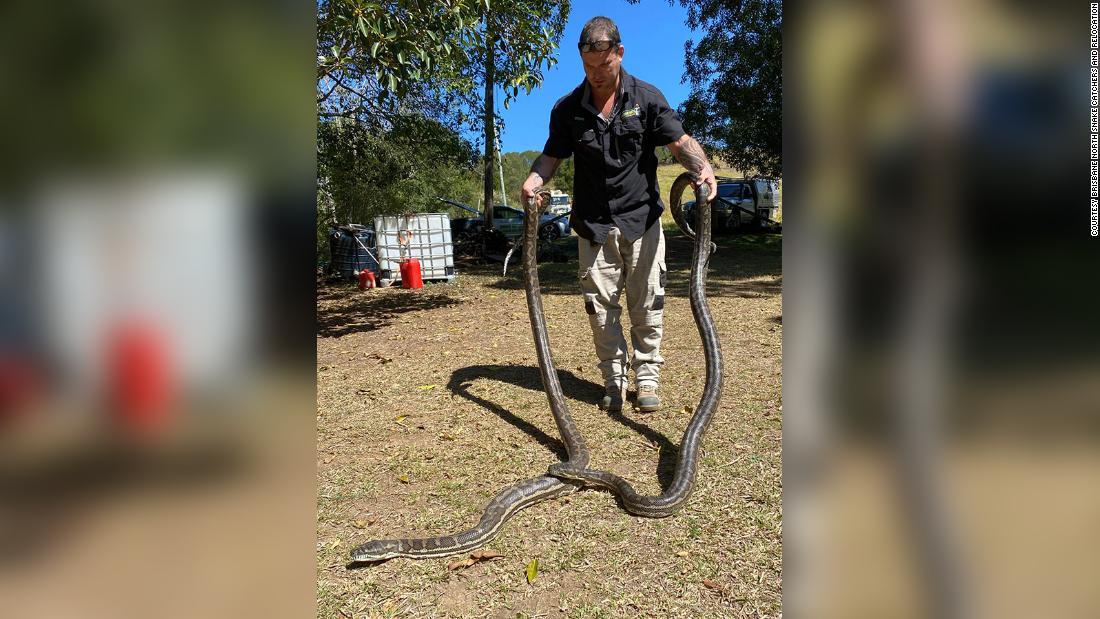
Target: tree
x,y
364,172
736,74
532,30
377,60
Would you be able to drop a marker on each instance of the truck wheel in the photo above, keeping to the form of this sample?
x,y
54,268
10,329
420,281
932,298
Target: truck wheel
x,y
549,232
733,222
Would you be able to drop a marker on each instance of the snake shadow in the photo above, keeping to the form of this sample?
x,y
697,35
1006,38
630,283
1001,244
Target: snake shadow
x,y
574,387
356,565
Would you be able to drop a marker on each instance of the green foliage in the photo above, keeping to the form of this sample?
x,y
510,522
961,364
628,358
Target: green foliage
x,y
736,75
372,56
527,32
364,172
664,155
563,178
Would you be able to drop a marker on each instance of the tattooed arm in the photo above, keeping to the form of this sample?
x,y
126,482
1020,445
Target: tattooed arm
x,y
542,170
690,155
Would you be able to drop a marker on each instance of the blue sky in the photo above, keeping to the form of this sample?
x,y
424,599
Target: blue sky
x,y
653,34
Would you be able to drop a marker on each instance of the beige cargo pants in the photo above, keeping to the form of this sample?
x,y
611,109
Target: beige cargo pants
x,y
639,268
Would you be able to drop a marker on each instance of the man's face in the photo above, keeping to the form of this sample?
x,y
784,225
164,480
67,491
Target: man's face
x,y
602,68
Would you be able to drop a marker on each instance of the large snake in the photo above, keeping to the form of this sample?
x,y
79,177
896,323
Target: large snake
x,y
569,476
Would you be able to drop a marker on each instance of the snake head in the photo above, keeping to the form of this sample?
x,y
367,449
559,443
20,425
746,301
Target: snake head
x,y
376,551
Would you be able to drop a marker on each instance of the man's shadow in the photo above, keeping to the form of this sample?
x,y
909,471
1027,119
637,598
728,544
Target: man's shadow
x,y
573,387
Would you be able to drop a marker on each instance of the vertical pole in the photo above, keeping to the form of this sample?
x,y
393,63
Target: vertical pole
x,y
500,166
490,133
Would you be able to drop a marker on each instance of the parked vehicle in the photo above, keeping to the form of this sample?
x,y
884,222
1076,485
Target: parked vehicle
x,y
743,202
508,221
560,203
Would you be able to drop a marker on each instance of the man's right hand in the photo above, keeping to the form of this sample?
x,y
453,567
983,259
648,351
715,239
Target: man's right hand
x,y
531,187
541,170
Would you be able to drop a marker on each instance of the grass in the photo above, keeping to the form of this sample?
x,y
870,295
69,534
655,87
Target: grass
x,y
455,363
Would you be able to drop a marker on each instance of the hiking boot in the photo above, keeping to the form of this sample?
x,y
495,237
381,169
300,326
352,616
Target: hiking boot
x,y
647,401
612,401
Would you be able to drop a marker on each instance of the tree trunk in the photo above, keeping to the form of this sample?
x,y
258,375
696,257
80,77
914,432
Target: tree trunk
x,y
490,126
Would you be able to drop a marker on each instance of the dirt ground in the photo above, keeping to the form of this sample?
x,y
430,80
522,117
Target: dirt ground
x,y
429,401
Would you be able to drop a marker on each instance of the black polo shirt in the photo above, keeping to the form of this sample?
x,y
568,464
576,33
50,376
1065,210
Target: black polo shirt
x,y
615,178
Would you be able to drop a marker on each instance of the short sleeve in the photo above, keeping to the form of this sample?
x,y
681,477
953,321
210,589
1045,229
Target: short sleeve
x,y
666,126
559,144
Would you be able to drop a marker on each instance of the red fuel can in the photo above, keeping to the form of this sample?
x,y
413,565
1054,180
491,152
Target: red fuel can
x,y
410,274
366,279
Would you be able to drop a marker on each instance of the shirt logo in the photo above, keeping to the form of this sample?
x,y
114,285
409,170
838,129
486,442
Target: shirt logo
x,y
631,112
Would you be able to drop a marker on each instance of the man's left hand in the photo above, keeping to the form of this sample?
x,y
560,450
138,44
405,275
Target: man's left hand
x,y
707,178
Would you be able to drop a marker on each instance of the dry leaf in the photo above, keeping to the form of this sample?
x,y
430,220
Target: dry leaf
x,y
688,409
485,555
454,565
403,479
710,584
360,524
682,553
401,418
426,387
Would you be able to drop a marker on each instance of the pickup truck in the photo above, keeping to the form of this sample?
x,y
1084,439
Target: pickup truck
x,y
742,203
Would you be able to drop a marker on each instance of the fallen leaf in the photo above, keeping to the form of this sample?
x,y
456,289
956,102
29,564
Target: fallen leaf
x,y
401,418
403,479
688,409
532,570
454,565
426,387
334,543
682,553
485,555
710,584
360,524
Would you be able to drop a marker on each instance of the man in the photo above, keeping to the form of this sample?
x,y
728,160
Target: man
x,y
613,122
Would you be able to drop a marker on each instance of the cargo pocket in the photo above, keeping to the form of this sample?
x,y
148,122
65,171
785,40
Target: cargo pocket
x,y
592,308
584,139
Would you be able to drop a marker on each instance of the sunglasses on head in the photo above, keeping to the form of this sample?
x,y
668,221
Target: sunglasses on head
x,y
596,46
